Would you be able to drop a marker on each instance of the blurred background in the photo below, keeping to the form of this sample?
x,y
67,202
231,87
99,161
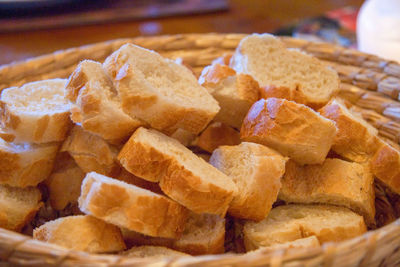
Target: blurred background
x,y
33,27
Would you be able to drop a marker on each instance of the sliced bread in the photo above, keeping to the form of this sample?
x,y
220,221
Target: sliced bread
x,y
153,251
159,91
91,152
95,103
257,171
203,234
335,182
385,165
18,206
131,207
26,164
37,112
217,134
235,93
285,73
183,176
292,129
292,222
84,233
64,183
306,242
356,140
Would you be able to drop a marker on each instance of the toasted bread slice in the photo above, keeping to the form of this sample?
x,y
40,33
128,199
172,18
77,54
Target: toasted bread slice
x,y
154,252
356,140
18,206
37,112
64,183
203,234
95,103
159,91
217,134
91,152
183,176
336,182
131,207
385,165
292,222
292,129
235,93
285,73
84,233
26,164
257,171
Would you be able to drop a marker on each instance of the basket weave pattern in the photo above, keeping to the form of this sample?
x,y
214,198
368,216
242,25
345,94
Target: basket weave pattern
x,y
370,83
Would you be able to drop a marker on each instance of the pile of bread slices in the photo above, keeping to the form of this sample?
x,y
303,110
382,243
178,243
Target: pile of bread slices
x,y
156,159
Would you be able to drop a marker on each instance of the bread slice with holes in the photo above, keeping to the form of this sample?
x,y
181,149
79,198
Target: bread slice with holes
x,y
292,129
183,176
64,183
153,252
203,234
36,112
285,73
385,165
81,232
257,171
18,206
356,140
91,152
292,222
159,91
217,134
131,207
235,92
96,104
23,165
335,182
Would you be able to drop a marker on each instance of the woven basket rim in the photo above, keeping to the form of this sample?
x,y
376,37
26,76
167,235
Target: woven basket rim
x,y
23,249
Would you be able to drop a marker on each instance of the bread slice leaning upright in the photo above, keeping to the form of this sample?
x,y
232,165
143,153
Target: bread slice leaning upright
x,y
292,129
36,112
95,103
256,170
285,73
183,176
131,207
159,91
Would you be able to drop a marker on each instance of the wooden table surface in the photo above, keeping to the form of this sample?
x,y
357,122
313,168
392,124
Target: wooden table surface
x,y
244,16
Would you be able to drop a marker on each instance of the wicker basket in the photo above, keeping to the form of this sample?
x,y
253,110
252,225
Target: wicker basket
x,y
369,82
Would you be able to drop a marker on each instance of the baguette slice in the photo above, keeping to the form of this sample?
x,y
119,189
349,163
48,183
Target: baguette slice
x,y
18,206
285,73
356,140
203,234
131,207
257,171
96,103
91,152
37,112
159,91
217,134
335,182
385,165
154,252
84,233
23,165
306,242
292,222
64,183
235,93
292,129
183,176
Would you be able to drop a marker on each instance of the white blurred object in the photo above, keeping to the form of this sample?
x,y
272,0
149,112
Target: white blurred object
x,y
378,28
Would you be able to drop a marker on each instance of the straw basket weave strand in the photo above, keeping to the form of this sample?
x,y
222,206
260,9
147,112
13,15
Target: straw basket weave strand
x,y
370,83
